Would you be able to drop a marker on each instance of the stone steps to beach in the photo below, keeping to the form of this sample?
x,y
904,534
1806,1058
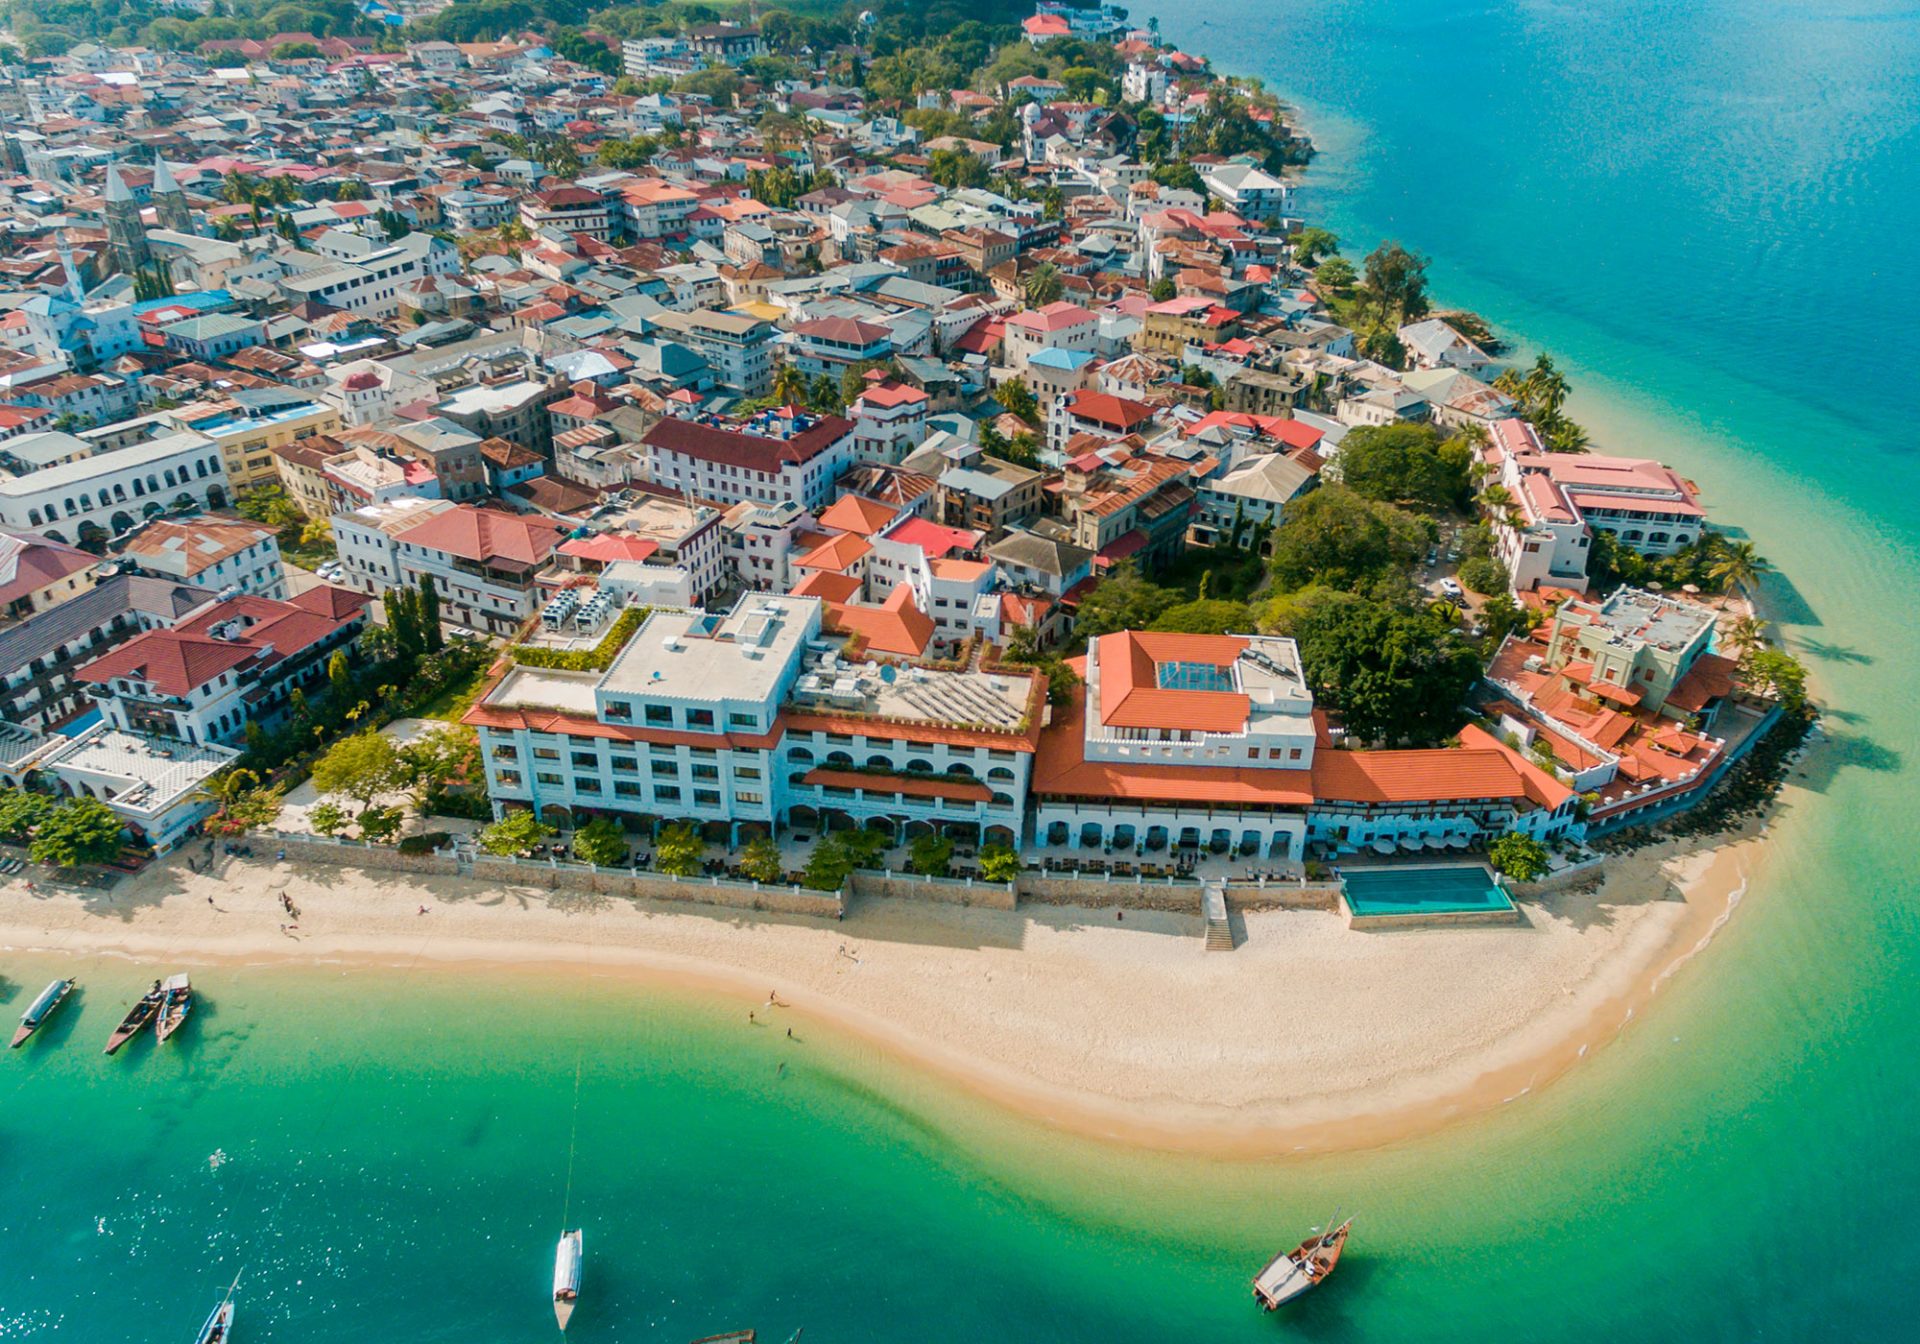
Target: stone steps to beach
x,y
1213,904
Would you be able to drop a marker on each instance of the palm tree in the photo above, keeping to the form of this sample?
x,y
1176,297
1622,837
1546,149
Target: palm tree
x,y
1562,435
1546,387
227,789
237,187
790,386
1746,634
1740,565
1497,500
1445,610
1043,285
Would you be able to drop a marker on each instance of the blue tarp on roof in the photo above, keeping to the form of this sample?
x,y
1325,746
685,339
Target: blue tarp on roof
x,y
201,300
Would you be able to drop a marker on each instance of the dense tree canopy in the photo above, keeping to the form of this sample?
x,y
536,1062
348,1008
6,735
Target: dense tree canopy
x,y
1406,464
1336,537
1123,601
1390,674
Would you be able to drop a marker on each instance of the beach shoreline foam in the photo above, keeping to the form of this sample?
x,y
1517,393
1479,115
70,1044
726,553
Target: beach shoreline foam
x,y
1308,1038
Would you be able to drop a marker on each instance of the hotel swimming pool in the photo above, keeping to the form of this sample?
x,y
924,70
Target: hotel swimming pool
x,y
1450,889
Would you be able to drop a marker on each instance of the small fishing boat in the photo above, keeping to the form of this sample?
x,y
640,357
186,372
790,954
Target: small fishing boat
x,y
1301,1269
137,1017
175,1003
41,1009
566,1276
220,1324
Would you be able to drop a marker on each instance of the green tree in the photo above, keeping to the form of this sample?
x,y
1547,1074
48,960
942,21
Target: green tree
x,y
829,866
1123,601
1739,565
516,833
244,805
679,851
760,860
21,811
430,632
80,830
789,387
269,506
1747,634
1388,674
1311,244
1018,398
1501,616
327,818
1043,285
1162,289
1394,285
1775,673
1518,856
999,863
361,767
1206,616
1482,574
600,842
930,855
1334,277
380,824
353,189
1334,537
1406,464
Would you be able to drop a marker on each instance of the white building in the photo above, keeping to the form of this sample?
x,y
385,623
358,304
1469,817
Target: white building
x,y
737,348
110,492
1249,192
223,555
771,458
346,270
364,540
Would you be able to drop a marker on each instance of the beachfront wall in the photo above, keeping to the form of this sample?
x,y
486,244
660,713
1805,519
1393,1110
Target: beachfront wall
x,y
566,876
949,890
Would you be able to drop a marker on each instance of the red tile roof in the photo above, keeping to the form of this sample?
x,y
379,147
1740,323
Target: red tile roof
x,y
1130,696
862,517
753,452
484,535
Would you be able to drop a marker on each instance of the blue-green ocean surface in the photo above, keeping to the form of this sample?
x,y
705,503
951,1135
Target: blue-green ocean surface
x,y
1711,213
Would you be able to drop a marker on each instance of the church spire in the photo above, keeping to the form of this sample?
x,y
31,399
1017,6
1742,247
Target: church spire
x,y
126,234
169,202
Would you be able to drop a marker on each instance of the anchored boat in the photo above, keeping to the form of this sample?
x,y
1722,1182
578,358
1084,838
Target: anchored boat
x,y
566,1276
175,1003
1302,1269
220,1324
41,1009
137,1017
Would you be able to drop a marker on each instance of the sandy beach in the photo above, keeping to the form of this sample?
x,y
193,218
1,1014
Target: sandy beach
x,y
1126,1030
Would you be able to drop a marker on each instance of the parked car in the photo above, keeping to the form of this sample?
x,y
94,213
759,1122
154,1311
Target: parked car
x,y
461,632
1452,588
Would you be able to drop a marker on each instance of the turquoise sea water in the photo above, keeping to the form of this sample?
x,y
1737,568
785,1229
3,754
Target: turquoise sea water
x,y
1709,212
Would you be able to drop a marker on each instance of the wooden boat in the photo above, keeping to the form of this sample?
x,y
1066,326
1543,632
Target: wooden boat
x,y
1301,1269
40,1010
176,1002
137,1017
219,1325
566,1276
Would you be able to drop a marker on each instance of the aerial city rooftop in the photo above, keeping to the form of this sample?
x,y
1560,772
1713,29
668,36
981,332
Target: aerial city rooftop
x,y
1010,461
